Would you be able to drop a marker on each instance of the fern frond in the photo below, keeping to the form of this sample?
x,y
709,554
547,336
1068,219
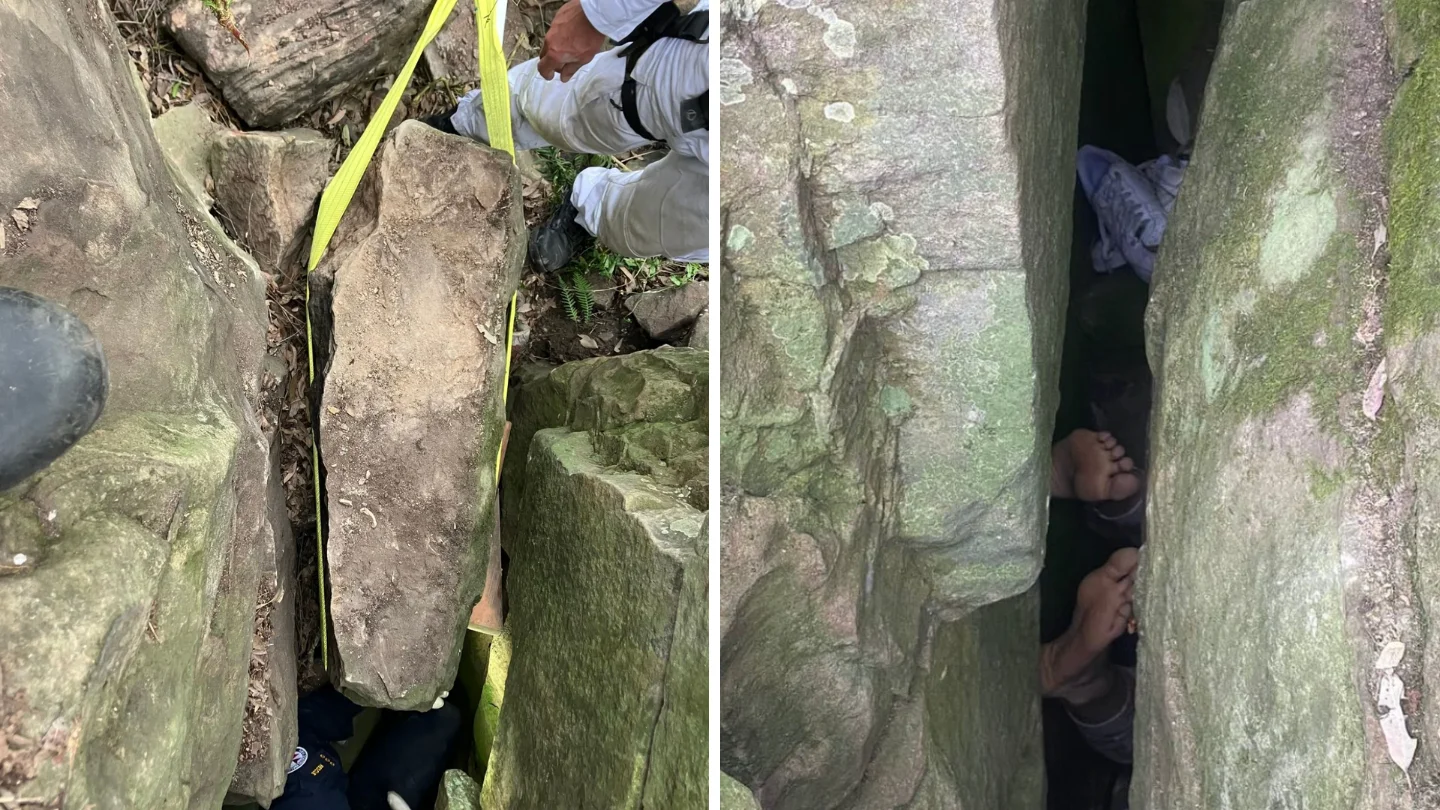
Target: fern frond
x,y
584,297
567,299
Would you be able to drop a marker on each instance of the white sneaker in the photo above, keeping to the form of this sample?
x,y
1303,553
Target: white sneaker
x,y
1131,205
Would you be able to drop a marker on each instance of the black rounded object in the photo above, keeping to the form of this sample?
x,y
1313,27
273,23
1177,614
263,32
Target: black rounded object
x,y
53,383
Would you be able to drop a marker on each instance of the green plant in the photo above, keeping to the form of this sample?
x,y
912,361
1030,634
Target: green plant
x,y
226,17
584,297
692,272
577,298
557,169
567,300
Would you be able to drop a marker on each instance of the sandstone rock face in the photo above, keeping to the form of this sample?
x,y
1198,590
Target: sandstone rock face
x,y
266,188
417,282
891,340
271,726
452,54
665,313
1412,333
606,692
700,332
127,635
187,134
624,393
458,792
302,52
735,796
1289,531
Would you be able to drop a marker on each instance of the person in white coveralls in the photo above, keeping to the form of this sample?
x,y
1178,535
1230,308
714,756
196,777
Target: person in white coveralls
x,y
652,86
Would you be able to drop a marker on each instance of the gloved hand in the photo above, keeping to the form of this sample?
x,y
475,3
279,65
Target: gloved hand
x,y
570,43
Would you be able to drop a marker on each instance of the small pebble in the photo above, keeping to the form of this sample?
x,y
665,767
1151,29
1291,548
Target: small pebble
x,y
21,559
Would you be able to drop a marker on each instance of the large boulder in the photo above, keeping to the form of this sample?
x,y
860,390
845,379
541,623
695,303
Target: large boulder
x,y
128,631
606,694
299,55
891,341
1292,509
414,292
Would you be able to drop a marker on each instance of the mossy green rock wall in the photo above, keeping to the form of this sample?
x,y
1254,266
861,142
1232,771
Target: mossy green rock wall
x,y
1289,526
1413,325
127,631
606,698
895,230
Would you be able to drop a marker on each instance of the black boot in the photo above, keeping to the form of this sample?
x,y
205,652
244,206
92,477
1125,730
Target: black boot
x,y
441,121
559,240
52,383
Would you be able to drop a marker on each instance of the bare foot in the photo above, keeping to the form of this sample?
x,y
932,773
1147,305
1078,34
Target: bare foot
x,y
1092,467
1102,613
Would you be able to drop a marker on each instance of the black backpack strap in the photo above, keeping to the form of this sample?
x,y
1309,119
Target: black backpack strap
x,y
631,110
666,22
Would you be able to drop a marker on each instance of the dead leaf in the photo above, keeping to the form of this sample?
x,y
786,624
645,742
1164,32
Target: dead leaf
x,y
494,341
337,117
1375,393
1381,237
333,410
1390,655
29,204
1392,722
588,342
22,220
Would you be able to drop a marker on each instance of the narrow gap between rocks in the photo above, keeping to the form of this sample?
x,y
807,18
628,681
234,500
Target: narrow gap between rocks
x,y
1145,68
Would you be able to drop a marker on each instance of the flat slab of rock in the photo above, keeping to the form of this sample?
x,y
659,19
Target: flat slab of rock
x,y
665,313
266,188
302,52
417,283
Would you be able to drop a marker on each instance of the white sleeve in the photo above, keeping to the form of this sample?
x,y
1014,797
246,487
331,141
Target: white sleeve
x,y
617,18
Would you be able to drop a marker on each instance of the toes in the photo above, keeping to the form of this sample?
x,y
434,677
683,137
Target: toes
x,y
1106,440
1117,452
1123,486
1125,464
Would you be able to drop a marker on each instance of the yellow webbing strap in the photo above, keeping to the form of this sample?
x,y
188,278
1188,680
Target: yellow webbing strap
x,y
495,95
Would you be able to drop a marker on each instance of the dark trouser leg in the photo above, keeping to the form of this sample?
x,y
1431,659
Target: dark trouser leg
x,y
407,754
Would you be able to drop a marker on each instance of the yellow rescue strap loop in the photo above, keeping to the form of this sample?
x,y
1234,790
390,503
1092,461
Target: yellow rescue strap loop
x,y
495,95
